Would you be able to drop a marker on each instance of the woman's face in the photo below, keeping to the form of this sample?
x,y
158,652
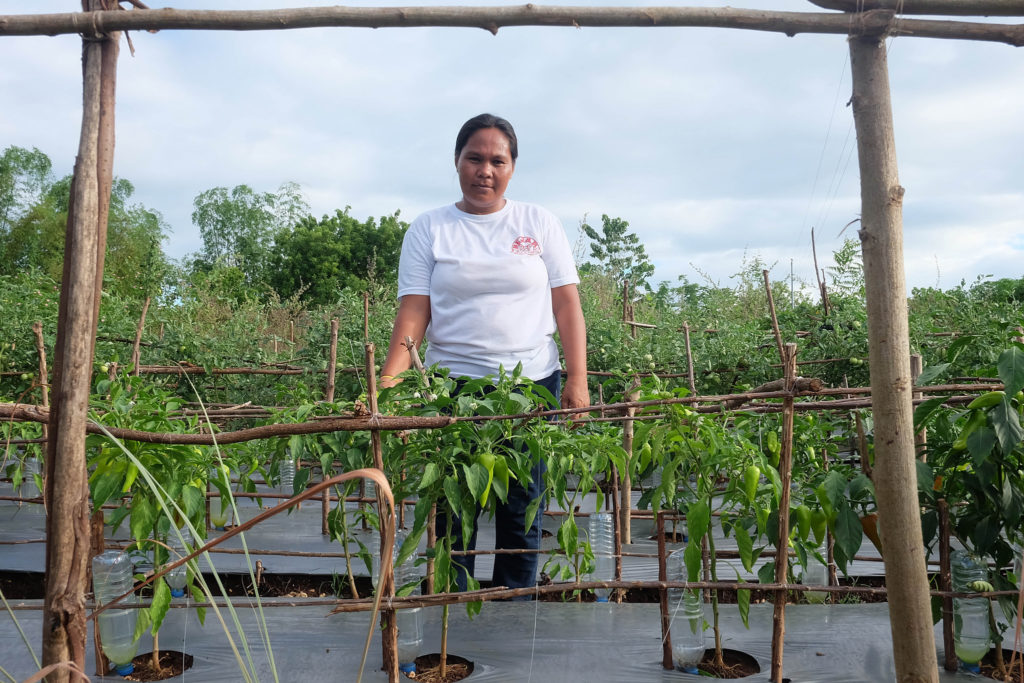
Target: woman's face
x,y
485,166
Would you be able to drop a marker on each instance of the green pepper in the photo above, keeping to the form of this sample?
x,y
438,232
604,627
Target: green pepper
x,y
803,521
976,420
819,525
986,400
751,479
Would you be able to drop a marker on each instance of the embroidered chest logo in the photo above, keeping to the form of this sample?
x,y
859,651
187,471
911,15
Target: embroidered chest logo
x,y
525,246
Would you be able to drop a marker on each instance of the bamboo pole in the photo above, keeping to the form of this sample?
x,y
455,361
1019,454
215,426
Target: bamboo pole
x,y
136,350
781,552
493,18
66,482
889,343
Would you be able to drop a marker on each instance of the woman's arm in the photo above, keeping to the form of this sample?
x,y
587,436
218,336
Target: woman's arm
x,y
411,321
572,330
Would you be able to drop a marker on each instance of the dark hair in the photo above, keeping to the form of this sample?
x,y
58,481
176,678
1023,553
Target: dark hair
x,y
481,122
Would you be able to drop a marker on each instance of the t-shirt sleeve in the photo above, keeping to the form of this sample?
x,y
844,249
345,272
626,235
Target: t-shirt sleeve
x,y
557,256
416,263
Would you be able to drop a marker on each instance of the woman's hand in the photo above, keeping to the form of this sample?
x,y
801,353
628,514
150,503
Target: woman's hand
x,y
575,393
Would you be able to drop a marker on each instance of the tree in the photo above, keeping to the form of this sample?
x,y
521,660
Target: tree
x,y
317,259
238,226
24,176
619,254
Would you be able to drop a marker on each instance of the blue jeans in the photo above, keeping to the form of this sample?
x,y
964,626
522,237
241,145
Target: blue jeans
x,y
513,571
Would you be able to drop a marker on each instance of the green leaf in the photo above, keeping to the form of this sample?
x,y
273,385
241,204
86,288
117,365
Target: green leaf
x,y
531,511
931,373
743,602
453,493
980,443
199,596
296,446
766,574
926,410
568,536
500,479
103,487
1006,423
692,559
194,499
1011,370
300,479
431,473
161,602
848,531
143,517
835,487
745,544
142,622
698,518
476,480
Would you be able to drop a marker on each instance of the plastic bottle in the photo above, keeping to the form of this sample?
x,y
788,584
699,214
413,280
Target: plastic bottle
x,y
970,616
686,614
112,577
602,543
816,574
178,577
29,469
409,621
286,473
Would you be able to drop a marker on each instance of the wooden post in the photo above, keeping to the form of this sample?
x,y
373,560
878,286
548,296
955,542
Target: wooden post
x,y
666,621
66,481
689,359
137,347
44,384
389,636
96,540
626,491
771,313
906,577
782,551
332,360
921,437
617,531
950,663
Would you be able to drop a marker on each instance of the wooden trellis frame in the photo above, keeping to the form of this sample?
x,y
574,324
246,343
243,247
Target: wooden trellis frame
x,y
67,554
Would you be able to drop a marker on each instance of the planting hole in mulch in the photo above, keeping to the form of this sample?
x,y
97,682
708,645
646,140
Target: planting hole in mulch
x,y
428,669
172,663
988,667
671,537
735,664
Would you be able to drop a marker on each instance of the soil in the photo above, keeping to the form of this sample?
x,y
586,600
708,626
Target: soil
x,y
428,669
172,663
988,667
735,664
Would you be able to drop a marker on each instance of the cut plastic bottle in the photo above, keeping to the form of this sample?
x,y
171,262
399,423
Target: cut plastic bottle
x,y
111,578
177,578
971,635
286,473
816,574
602,543
686,614
409,621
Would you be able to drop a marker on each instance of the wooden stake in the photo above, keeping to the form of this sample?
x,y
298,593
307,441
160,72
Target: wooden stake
x,y
626,492
881,237
689,359
332,361
781,552
921,437
44,387
66,481
950,663
775,319
666,621
137,347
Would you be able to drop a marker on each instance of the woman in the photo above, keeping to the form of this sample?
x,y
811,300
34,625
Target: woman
x,y
488,280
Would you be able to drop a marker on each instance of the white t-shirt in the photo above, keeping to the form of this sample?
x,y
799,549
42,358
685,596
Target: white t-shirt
x,y
489,279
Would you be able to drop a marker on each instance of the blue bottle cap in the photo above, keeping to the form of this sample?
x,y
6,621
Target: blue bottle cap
x,y
177,592
407,667
124,669
691,670
600,599
974,668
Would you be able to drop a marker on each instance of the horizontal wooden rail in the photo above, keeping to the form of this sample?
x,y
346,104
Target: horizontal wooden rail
x,y
875,22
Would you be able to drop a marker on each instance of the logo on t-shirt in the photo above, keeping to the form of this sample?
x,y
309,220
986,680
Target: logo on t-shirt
x,y
525,246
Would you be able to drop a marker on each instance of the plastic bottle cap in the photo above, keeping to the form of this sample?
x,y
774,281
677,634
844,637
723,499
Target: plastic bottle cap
x,y
124,669
407,668
691,670
177,592
972,668
601,600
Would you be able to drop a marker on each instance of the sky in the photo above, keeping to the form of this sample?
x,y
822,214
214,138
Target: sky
x,y
718,146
